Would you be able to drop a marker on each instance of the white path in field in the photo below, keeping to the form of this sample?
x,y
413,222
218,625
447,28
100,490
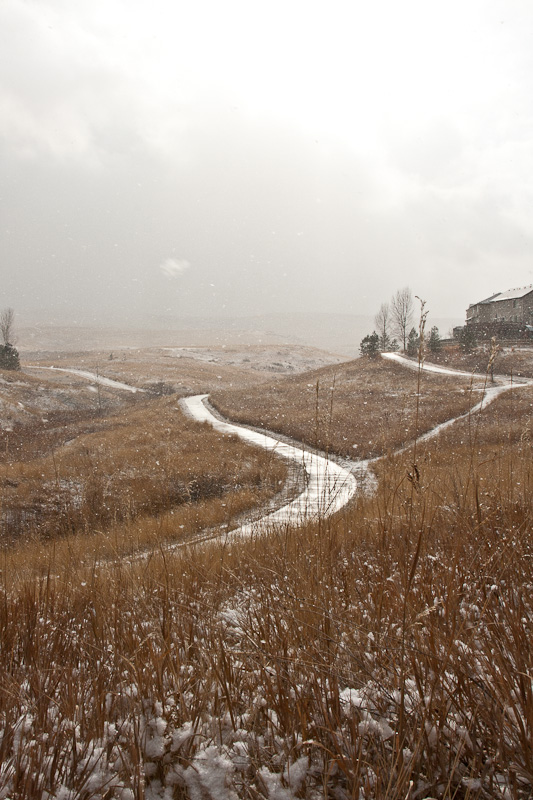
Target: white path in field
x,y
490,391
410,364
93,377
328,485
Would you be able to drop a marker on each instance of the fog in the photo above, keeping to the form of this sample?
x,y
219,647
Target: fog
x,y
168,159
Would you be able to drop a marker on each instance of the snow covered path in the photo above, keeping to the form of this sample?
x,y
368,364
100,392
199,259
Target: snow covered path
x,y
490,391
93,377
328,485
410,364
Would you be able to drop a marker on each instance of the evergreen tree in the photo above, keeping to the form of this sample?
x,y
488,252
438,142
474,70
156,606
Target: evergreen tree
x,y
370,345
383,343
467,339
413,341
434,342
9,357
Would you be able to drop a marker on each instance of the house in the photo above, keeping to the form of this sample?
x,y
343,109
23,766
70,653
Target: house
x,y
513,306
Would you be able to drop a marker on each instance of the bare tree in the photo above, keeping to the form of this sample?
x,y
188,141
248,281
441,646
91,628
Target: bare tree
x,y
381,321
7,320
402,313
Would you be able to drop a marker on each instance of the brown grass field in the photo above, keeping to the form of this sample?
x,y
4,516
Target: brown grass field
x,y
383,653
514,360
190,370
105,485
359,409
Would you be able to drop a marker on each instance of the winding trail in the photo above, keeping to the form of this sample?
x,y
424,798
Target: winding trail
x,y
410,364
92,377
328,486
490,392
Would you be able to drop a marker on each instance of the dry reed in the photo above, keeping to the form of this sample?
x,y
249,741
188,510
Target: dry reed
x,y
359,409
385,653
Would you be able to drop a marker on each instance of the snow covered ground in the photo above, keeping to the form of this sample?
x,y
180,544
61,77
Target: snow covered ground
x,y
328,485
212,723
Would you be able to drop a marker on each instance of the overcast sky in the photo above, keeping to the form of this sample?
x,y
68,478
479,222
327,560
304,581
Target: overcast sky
x,y
203,157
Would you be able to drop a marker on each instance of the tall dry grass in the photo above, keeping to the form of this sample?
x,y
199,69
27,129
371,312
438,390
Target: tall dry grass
x,y
360,409
124,481
385,653
514,360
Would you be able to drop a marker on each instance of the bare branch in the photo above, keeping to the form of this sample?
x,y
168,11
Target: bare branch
x,y
381,321
402,313
7,320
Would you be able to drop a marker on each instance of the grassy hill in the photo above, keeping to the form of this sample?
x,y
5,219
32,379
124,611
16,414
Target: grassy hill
x,y
382,653
360,408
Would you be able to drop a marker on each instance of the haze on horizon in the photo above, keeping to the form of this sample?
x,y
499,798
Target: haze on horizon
x,y
165,159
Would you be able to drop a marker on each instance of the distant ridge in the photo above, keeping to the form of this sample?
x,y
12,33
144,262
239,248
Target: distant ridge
x,y
336,333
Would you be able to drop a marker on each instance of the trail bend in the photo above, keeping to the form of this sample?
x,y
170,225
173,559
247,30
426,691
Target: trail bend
x,y
328,485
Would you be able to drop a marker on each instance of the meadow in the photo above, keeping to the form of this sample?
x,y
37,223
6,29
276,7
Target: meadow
x,y
359,409
95,484
385,652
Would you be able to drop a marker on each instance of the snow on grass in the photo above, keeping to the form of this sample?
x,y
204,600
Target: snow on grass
x,y
383,653
286,687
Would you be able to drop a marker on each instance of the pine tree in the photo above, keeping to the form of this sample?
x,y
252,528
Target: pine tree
x,y
434,342
9,357
467,339
370,345
413,340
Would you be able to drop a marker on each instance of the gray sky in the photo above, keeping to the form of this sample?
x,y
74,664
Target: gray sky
x,y
165,158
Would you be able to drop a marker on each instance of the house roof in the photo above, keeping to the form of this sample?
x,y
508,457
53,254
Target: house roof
x,y
510,294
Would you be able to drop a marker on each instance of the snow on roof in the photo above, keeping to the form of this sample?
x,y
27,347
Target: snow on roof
x,y
510,294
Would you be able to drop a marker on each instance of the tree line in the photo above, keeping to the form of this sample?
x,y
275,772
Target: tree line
x,y
394,328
